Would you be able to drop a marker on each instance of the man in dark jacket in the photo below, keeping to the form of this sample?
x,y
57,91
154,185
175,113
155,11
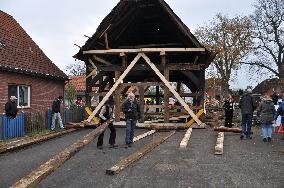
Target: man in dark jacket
x,y
247,106
132,113
11,109
107,112
56,112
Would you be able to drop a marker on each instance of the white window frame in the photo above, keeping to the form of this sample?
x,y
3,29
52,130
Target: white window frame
x,y
29,96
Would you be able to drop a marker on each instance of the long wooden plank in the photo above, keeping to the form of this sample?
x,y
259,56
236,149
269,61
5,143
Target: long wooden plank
x,y
14,145
117,82
219,144
158,127
145,50
226,129
139,137
185,139
37,175
137,155
191,113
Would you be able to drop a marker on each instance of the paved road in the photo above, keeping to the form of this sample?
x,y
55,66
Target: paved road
x,y
246,163
15,165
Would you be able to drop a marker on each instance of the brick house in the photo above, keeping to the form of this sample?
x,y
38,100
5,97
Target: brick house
x,y
25,71
269,86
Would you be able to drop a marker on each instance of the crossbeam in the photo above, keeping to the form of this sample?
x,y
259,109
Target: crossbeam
x,y
143,50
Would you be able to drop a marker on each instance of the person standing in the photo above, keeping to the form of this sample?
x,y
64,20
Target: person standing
x,y
229,111
11,109
107,112
280,112
266,111
132,113
247,105
56,112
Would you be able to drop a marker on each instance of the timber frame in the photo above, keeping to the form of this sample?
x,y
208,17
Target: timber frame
x,y
134,49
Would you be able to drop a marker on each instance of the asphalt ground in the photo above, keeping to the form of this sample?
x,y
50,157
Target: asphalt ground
x,y
245,163
14,165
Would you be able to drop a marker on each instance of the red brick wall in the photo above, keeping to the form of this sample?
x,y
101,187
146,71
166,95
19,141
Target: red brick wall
x,y
43,90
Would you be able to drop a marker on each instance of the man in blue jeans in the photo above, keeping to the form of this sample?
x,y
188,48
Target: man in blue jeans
x,y
132,113
247,106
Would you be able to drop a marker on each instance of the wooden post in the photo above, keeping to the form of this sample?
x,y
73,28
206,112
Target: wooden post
x,y
157,97
88,86
117,98
141,101
179,91
166,89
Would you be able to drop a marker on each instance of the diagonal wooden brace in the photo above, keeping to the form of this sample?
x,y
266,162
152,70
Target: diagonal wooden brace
x,y
191,113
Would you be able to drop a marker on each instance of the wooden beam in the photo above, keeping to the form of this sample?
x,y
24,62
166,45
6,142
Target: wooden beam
x,y
173,66
143,83
139,137
185,139
184,66
101,60
106,41
143,50
226,129
137,155
92,63
199,113
166,91
219,148
93,73
37,175
141,101
191,113
117,98
24,142
117,82
166,126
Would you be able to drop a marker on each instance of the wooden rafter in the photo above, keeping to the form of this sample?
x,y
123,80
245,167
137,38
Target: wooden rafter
x,y
101,60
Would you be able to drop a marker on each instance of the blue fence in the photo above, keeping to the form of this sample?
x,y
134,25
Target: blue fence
x,y
12,128
69,115
33,122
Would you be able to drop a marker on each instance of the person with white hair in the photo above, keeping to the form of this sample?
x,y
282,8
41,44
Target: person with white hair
x,y
131,110
11,109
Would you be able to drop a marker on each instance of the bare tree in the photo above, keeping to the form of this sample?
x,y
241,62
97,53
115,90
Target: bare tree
x,y
76,69
268,20
230,40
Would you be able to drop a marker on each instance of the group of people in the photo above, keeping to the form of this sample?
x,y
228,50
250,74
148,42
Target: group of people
x,y
131,110
265,110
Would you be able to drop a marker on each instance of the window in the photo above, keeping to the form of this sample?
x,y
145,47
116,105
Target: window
x,y
22,92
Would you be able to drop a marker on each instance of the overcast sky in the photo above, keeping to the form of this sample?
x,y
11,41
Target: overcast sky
x,y
56,25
